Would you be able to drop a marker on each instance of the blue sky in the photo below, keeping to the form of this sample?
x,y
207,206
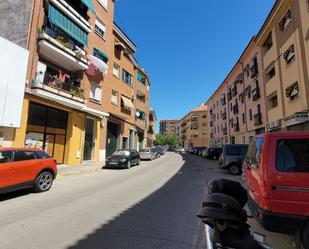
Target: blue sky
x,y
188,49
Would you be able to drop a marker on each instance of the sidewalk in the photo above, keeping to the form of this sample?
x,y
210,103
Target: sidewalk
x,y
78,169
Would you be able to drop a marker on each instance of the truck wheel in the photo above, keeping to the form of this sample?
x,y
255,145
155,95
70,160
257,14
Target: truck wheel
x,y
305,236
234,169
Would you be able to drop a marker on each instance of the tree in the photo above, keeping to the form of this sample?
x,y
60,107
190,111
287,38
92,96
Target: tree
x,y
166,139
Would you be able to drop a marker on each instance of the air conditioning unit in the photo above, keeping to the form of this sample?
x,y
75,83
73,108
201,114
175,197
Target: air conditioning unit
x,y
274,124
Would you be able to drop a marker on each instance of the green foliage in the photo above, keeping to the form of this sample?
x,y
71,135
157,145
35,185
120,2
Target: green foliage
x,y
166,139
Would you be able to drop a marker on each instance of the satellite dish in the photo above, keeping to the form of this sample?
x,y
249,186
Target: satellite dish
x,y
137,114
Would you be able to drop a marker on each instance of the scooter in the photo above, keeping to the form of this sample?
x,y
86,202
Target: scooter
x,y
226,219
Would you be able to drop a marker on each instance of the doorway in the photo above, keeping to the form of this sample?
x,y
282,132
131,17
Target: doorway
x,y
111,138
90,138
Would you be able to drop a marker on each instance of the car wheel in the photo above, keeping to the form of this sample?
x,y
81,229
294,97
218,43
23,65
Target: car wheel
x,y
305,236
138,162
234,169
128,164
43,182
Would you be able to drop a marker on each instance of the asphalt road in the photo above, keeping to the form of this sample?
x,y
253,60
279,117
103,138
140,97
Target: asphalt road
x,y
150,206
146,207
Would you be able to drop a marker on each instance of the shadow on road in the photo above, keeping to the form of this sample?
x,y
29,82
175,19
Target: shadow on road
x,y
165,219
15,194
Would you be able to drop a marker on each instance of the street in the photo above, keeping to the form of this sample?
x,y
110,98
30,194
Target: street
x,y
149,206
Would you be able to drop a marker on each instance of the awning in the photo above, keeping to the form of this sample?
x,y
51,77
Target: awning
x,y
71,28
128,104
99,64
121,45
100,54
95,112
89,4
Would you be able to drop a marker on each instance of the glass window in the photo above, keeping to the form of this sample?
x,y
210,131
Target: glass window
x,y
41,154
293,155
5,156
23,155
255,151
114,97
37,114
122,153
99,28
57,118
116,70
233,151
126,77
95,92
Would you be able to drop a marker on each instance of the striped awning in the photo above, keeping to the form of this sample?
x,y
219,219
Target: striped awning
x,y
100,54
127,103
67,25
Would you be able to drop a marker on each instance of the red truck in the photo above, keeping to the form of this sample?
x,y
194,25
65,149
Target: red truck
x,y
276,171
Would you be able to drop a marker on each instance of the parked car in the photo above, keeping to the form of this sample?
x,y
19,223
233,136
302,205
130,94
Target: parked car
x,y
160,149
232,157
156,153
123,158
204,152
277,175
213,153
147,154
26,168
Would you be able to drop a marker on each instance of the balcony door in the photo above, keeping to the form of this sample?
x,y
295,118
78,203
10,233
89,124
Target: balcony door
x,y
90,138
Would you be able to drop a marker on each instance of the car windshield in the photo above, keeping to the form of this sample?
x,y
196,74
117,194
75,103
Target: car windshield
x,y
144,150
122,153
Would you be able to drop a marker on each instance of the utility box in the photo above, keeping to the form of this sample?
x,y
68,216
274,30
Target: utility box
x,y
13,71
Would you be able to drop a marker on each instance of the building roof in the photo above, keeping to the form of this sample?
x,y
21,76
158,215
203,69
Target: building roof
x,y
200,108
169,120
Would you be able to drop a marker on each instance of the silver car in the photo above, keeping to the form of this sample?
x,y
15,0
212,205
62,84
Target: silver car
x,y
147,154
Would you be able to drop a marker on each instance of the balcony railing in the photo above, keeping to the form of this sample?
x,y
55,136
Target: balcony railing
x,y
223,115
224,130
223,100
254,70
229,95
257,119
256,94
211,123
64,41
65,87
234,91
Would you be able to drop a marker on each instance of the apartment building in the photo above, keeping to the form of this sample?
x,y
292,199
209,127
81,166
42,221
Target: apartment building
x,y
128,96
284,41
75,105
236,109
168,126
151,132
193,128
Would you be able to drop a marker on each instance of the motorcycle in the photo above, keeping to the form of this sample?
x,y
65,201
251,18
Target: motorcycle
x,y
226,219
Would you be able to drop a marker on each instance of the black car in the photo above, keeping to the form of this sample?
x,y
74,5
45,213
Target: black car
x,y
123,158
160,149
156,152
213,153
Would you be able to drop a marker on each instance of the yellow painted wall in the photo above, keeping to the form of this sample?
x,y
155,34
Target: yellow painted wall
x,y
97,142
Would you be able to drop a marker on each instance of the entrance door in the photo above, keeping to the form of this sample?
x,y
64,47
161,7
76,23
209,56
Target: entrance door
x,y
111,138
89,144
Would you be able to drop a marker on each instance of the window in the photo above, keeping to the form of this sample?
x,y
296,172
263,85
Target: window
x,y
231,106
254,152
126,77
289,55
140,115
233,151
243,118
95,92
292,92
204,116
204,124
103,3
5,156
141,97
116,70
250,114
284,23
268,43
22,155
141,78
273,100
258,108
41,154
194,118
293,155
114,97
270,72
99,28
217,102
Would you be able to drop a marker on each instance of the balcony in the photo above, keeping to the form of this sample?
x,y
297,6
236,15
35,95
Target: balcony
x,y
150,130
256,94
223,100
223,115
229,95
60,84
224,130
211,123
236,127
254,69
235,109
59,49
234,90
257,119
